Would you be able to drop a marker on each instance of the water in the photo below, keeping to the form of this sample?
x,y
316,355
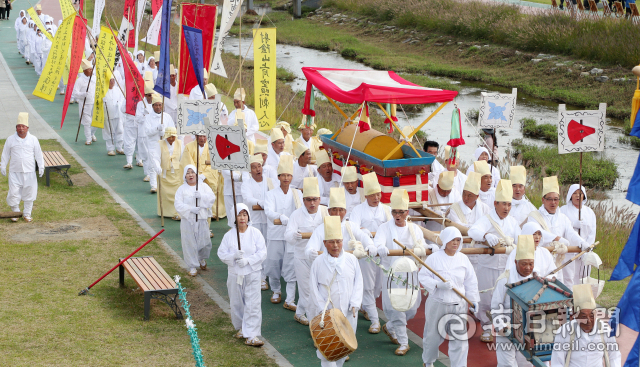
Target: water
x,y
294,58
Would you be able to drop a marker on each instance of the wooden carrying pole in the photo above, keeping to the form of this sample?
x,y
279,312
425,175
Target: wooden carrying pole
x,y
431,270
574,258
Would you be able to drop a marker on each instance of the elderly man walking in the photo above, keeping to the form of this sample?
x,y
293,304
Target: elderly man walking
x,y
23,150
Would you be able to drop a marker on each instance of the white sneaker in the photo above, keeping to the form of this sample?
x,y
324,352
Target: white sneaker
x,y
139,164
203,264
111,152
146,178
193,272
154,190
87,142
93,138
127,166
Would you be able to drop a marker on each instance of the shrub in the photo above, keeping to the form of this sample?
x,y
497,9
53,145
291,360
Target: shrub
x,y
531,129
349,53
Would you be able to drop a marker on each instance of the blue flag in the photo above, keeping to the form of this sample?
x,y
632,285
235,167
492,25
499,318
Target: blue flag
x,y
628,314
163,80
193,39
630,256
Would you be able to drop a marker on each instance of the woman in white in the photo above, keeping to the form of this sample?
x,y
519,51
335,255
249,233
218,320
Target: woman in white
x,y
154,126
151,66
456,268
544,260
584,223
243,276
23,40
482,154
196,243
140,63
37,47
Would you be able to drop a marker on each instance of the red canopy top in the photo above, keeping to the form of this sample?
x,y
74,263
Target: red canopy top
x,y
356,86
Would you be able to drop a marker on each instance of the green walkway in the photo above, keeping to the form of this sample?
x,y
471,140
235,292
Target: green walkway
x,y
291,339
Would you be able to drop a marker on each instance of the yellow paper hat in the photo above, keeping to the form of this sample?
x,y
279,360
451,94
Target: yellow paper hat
x,y
518,175
148,87
169,132
86,64
276,134
322,157
261,148
399,199
482,167
156,56
349,174
473,183
504,191
239,95
583,297
210,90
157,98
323,131
256,159
337,198
332,228
445,180
370,184
286,164
173,70
310,188
23,119
205,74
526,248
148,76
299,149
286,126
38,7
550,184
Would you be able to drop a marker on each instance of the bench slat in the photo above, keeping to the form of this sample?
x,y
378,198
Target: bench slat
x,y
165,283
129,268
144,273
60,159
169,278
141,276
54,159
155,282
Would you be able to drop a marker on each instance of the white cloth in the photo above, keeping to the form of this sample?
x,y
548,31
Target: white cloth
x,y
37,56
436,169
113,132
21,155
470,217
130,126
436,198
228,193
273,159
520,209
431,340
353,200
587,353
196,243
457,270
488,197
154,132
228,207
85,97
588,233
277,205
316,243
543,263
250,122
255,193
171,103
299,174
325,187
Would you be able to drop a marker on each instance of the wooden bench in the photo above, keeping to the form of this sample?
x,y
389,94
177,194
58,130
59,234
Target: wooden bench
x,y
593,8
619,9
635,15
56,162
154,282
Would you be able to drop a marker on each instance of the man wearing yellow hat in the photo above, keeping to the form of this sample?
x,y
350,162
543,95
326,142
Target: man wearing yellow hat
x,y
520,205
141,117
496,229
154,126
251,122
304,220
210,92
410,236
85,90
170,173
276,148
326,177
352,192
196,92
520,268
368,216
306,133
487,191
286,132
335,275
171,103
112,133
585,341
131,126
556,227
443,193
302,167
279,204
21,152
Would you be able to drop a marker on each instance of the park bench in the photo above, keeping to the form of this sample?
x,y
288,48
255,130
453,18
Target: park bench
x,y
606,10
54,161
593,8
619,9
153,281
635,15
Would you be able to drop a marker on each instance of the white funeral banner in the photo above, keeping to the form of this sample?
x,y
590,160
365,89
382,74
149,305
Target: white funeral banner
x,y
97,15
497,109
153,33
581,131
230,10
228,148
195,116
139,15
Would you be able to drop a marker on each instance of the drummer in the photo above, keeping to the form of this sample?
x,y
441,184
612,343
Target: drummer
x,y
341,272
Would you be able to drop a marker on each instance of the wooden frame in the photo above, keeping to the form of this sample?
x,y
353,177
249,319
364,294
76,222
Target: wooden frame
x,y
635,16
54,161
606,10
619,9
593,8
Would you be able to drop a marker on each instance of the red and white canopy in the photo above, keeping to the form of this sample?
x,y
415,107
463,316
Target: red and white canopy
x,y
356,86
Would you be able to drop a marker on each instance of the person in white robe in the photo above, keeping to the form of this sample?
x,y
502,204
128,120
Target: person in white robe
x,y
33,53
154,126
21,152
87,97
46,48
458,273
306,135
244,268
41,15
196,92
113,133
251,123
326,177
255,186
267,170
335,275
368,216
544,263
17,25
520,205
228,193
442,193
451,165
23,39
140,62
496,229
557,228
520,267
276,148
469,210
487,191
151,66
210,92
482,154
302,167
288,138
353,193
130,131
279,204
169,153
583,221
410,236
304,220
143,151
585,341
194,234
432,147
171,103
36,57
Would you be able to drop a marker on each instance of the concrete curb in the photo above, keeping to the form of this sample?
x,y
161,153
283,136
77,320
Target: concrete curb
x,y
221,302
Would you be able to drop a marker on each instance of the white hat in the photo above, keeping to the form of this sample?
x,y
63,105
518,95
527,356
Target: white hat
x,y
86,64
583,297
526,248
286,164
310,188
332,228
449,234
337,198
210,90
479,152
399,199
239,95
406,131
256,159
518,175
299,149
370,184
157,98
550,184
23,119
482,167
169,132
205,74
260,148
276,134
286,126
349,174
445,181
473,183
504,191
322,157
38,7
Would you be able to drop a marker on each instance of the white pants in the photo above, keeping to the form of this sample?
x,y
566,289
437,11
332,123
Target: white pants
x,y
323,361
130,138
228,205
23,186
569,274
369,277
87,116
37,62
263,229
486,279
398,320
196,243
434,311
507,355
303,269
245,303
279,263
115,141
142,145
579,271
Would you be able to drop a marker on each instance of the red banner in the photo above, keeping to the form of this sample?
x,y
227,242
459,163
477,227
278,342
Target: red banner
x,y
77,54
204,18
155,6
130,14
134,83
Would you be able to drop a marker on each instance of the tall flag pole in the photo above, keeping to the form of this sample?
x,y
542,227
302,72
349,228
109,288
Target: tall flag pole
x,y
163,81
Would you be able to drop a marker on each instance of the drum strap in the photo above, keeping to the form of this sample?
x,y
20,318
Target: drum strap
x,y
324,311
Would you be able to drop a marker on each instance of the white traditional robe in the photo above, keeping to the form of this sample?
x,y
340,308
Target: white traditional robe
x,y
251,123
21,155
243,283
353,200
325,187
436,169
112,133
345,290
154,131
495,175
458,182
171,103
436,198
543,262
587,353
299,174
488,197
316,243
87,97
130,127
273,159
255,193
588,233
470,216
520,210
228,193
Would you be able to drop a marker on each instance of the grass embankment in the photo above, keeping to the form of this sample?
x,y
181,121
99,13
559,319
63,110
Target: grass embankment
x,y
46,263
403,47
627,138
531,129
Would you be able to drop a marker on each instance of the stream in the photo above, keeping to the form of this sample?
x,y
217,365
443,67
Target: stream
x,y
294,58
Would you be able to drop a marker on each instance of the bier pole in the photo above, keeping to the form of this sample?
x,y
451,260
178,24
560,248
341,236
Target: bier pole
x,y
235,210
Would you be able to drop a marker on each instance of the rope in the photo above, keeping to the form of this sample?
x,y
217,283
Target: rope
x,y
328,300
